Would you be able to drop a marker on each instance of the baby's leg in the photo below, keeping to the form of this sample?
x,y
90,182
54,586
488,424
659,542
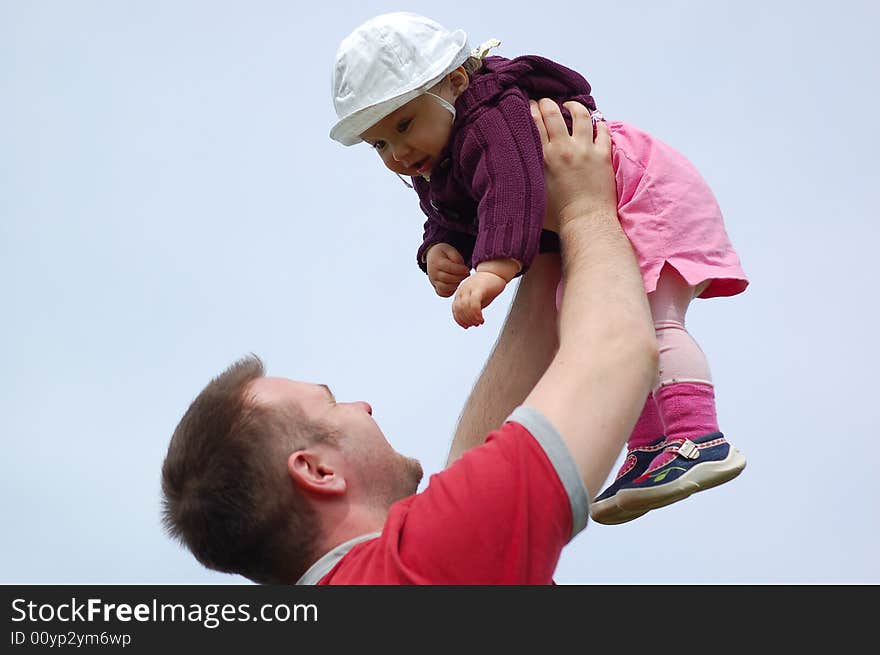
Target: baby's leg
x,y
695,455
648,428
683,390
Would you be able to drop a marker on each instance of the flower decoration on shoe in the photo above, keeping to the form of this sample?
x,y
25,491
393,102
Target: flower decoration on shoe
x,y
604,508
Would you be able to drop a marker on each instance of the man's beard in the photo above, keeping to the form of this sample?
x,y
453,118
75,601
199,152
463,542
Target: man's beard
x,y
409,479
414,472
415,469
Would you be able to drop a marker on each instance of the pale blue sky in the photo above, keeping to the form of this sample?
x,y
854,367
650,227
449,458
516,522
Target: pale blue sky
x,y
170,201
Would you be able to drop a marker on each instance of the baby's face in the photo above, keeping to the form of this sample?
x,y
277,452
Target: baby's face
x,y
411,139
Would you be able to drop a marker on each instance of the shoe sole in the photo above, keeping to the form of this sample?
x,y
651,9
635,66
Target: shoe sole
x,y
607,512
699,478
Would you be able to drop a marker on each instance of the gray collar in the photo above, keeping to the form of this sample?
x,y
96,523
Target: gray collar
x,y
322,567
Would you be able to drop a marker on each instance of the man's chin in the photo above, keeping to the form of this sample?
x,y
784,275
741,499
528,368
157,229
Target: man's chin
x,y
406,480
414,469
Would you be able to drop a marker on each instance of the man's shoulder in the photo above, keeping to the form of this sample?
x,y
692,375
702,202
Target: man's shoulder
x,y
500,514
525,438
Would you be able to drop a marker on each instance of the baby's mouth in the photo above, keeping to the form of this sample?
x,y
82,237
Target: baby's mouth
x,y
423,166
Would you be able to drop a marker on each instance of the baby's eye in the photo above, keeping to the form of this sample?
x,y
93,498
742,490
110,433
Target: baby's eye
x,y
403,125
379,145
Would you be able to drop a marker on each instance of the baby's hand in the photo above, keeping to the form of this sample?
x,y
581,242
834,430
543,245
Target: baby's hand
x,y
446,269
473,295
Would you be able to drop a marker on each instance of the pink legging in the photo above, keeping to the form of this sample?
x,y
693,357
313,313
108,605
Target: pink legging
x,y
681,358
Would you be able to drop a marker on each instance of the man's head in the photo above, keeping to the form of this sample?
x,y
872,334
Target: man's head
x,y
263,473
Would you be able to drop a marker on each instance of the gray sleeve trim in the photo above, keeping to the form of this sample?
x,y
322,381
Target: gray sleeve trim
x,y
560,457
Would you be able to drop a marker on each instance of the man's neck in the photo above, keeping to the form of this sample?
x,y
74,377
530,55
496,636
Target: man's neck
x,y
347,522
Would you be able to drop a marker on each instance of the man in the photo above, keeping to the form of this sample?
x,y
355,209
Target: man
x,y
276,480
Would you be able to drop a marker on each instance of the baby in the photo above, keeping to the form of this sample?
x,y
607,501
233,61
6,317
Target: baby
x,y
459,124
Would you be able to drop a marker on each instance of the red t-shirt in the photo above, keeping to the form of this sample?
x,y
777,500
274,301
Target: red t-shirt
x,y
501,514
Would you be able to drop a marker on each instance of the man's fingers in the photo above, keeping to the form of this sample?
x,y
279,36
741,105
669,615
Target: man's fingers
x,y
581,121
553,121
603,136
539,121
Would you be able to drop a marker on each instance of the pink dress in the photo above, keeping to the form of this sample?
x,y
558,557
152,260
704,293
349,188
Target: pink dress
x,y
670,214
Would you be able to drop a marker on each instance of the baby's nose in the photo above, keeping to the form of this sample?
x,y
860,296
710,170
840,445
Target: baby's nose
x,y
401,153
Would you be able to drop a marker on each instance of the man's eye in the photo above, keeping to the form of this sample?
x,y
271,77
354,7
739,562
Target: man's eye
x,y
379,145
402,126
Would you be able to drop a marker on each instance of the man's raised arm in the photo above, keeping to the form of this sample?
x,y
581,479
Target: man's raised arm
x,y
522,352
595,386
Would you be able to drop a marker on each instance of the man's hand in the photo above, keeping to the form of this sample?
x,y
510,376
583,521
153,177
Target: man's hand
x,y
571,194
473,295
446,269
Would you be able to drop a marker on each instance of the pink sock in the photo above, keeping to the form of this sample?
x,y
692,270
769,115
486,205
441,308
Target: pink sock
x,y
648,428
688,409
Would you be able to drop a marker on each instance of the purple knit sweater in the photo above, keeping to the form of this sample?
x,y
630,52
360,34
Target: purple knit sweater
x,y
486,194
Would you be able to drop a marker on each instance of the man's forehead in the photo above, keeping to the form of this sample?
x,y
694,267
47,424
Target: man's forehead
x,y
272,390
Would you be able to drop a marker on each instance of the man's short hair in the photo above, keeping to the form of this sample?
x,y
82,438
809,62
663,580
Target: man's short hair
x,y
227,495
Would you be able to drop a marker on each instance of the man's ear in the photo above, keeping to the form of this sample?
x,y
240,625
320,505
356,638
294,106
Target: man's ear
x,y
313,472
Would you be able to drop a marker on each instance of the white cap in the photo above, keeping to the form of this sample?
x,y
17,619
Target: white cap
x,y
386,62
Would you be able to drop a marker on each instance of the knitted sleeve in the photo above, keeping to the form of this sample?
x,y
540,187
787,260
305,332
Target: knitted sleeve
x,y
502,160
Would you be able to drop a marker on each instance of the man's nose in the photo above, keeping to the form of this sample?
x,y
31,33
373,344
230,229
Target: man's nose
x,y
364,406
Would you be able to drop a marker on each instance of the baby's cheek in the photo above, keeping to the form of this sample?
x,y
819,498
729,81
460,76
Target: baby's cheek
x,y
389,162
